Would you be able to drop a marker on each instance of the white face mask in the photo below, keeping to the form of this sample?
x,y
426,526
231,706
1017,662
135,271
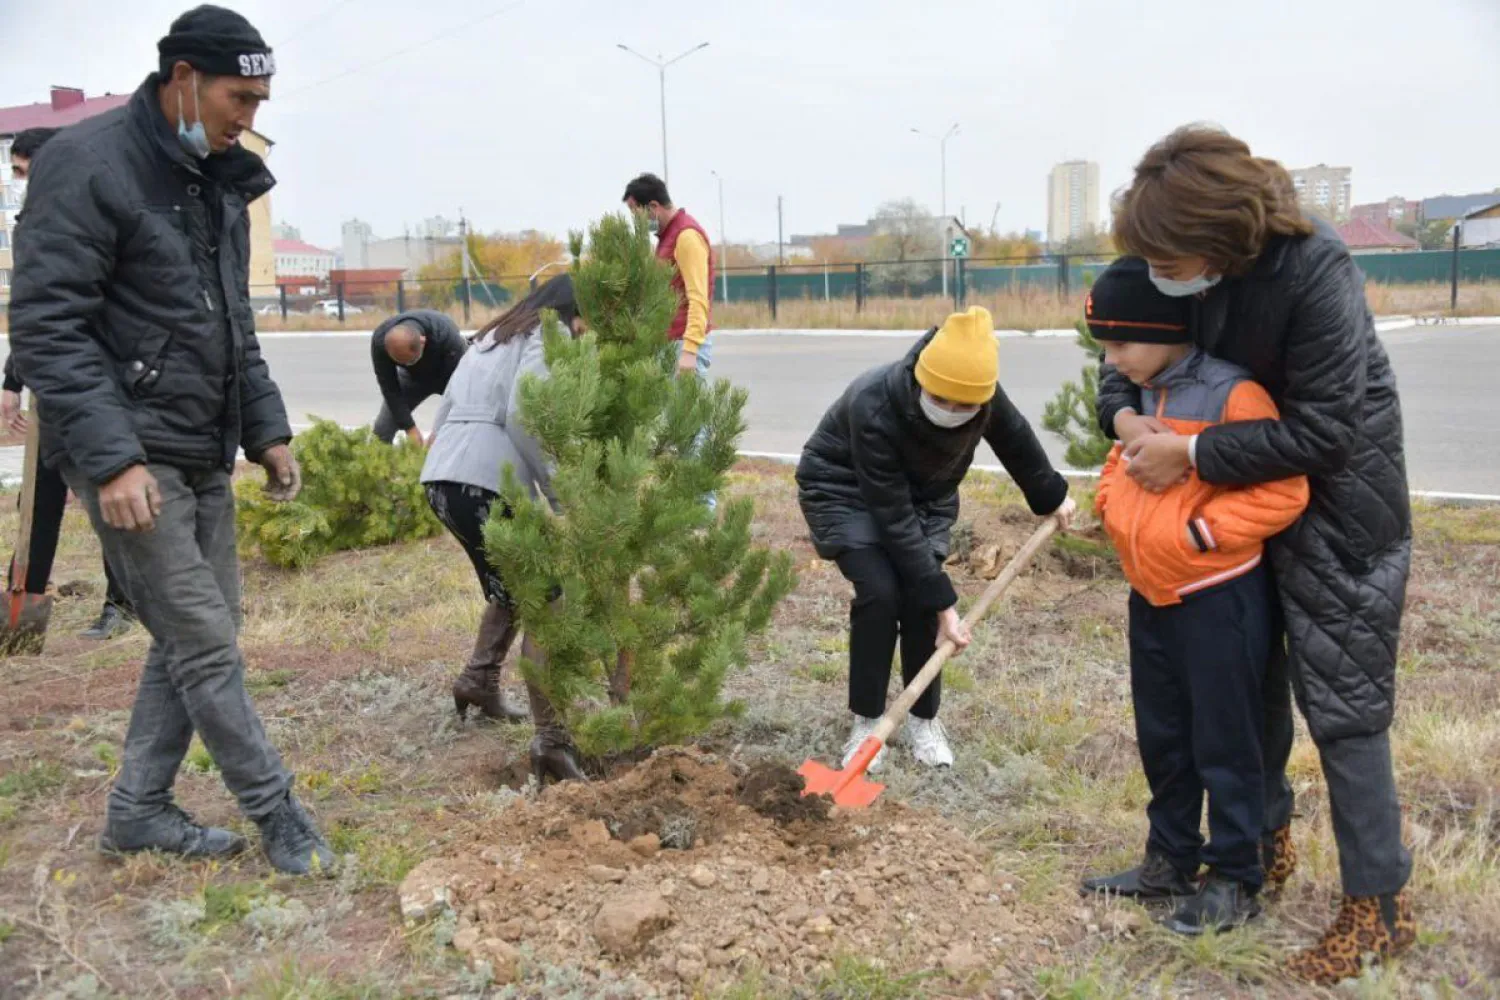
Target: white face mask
x,y
1180,289
941,416
18,191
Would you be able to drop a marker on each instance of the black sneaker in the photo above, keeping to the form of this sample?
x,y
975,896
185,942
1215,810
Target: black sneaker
x,y
292,843
1155,878
171,831
1222,904
111,622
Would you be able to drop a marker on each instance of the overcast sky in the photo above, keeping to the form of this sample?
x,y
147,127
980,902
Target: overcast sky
x,y
532,118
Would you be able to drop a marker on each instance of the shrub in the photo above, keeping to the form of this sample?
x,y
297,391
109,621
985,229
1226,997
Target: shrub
x,y
357,492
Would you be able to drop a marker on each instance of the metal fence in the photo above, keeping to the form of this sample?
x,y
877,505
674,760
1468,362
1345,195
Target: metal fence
x,y
775,285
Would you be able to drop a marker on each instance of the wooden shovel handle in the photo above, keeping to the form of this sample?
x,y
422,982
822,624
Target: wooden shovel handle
x,y
28,499
897,712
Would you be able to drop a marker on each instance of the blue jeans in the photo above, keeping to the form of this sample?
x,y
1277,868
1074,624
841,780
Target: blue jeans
x,y
705,362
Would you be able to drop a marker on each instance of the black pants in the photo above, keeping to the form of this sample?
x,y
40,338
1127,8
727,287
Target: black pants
x,y
46,528
880,614
413,395
1197,671
464,509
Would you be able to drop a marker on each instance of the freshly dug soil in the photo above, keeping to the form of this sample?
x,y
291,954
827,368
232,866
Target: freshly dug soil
x,y
685,869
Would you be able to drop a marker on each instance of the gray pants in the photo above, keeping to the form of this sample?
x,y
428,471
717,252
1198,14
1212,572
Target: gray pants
x,y
1362,799
184,579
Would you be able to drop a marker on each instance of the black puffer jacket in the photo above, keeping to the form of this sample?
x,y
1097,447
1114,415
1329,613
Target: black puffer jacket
x,y
1298,321
877,472
130,312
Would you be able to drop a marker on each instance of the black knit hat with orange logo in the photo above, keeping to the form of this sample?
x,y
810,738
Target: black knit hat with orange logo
x,y
1125,305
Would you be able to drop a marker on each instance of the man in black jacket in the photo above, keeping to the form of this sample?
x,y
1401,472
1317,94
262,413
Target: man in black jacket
x,y
131,321
414,354
51,497
878,484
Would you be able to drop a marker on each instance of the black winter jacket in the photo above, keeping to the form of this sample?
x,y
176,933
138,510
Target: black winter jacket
x,y
1298,321
440,357
130,311
877,472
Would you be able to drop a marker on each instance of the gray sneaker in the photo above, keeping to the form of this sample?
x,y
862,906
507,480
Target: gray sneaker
x,y
292,842
171,831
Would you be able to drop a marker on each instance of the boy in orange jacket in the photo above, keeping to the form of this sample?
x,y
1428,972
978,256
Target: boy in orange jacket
x,y
1201,612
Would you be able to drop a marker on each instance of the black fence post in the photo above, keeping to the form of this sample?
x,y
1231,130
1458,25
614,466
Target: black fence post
x,y
1062,276
1453,296
771,289
400,296
859,288
959,292
281,294
341,302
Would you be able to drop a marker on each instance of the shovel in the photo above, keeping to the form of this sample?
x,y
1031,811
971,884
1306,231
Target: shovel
x,y
849,787
24,630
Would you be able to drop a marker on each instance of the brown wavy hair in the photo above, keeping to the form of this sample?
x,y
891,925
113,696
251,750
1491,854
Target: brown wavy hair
x,y
1200,193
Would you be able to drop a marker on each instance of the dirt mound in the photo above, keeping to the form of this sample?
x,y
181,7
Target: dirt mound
x,y
685,869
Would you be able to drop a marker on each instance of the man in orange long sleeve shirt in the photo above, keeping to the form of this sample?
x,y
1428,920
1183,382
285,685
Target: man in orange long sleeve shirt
x,y
1201,612
681,240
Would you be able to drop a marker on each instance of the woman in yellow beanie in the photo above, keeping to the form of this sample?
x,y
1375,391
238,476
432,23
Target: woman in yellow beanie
x,y
878,483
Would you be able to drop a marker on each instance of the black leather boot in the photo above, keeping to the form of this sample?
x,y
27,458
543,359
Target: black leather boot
x,y
1154,878
1222,904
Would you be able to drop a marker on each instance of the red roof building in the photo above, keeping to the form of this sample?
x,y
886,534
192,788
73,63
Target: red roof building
x,y
68,106
1361,235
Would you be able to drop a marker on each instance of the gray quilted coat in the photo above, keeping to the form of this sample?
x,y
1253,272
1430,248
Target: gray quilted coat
x,y
1298,321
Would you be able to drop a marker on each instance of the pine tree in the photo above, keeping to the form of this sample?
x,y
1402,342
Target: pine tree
x,y
659,595
1072,414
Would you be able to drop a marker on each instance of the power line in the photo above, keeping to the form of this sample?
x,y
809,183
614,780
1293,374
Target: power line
x,y
504,9
300,31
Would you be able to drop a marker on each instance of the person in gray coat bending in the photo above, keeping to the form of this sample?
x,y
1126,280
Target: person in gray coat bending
x,y
478,432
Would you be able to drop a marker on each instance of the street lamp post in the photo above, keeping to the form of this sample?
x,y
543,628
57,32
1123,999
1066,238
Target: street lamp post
x,y
661,73
723,240
942,142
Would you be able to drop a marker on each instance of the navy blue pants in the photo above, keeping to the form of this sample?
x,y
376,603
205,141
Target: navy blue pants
x,y
1197,671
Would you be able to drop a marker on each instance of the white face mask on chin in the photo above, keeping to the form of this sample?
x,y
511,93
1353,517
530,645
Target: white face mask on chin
x,y
941,416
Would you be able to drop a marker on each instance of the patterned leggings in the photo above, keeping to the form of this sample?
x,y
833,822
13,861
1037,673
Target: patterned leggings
x,y
464,509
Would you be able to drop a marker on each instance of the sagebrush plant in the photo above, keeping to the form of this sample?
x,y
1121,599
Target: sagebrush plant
x,y
1073,414
357,492
659,593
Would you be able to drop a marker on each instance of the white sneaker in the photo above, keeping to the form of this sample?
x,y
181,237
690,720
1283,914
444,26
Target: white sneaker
x,y
929,742
863,727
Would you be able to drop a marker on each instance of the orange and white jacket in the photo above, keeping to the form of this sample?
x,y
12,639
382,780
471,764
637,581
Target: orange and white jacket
x,y
1195,535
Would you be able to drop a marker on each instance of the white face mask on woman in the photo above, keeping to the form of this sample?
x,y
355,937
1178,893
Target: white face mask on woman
x,y
941,416
1181,289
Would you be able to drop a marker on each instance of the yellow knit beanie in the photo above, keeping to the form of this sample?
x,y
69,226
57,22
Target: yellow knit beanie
x,y
962,363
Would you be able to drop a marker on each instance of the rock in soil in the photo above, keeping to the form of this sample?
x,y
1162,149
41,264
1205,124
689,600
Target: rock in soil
x,y
677,872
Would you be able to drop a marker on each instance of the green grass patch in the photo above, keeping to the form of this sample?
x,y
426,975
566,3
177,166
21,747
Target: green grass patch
x,y
33,781
198,759
270,680
383,857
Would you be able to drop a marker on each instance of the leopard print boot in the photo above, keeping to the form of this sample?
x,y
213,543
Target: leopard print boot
x,y
1279,855
1377,927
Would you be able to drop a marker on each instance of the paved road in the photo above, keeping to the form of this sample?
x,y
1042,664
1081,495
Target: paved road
x,y
1447,376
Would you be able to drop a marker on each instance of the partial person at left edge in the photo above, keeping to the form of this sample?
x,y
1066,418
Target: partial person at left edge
x,y
131,322
51,495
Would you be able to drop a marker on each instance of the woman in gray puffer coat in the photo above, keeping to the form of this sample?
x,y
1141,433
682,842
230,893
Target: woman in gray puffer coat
x,y
1278,294
477,434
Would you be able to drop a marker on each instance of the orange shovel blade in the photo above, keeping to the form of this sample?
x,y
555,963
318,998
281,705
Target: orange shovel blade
x,y
849,787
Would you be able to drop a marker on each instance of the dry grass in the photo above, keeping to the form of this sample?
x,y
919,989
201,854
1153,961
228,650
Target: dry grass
x,y
1433,299
349,663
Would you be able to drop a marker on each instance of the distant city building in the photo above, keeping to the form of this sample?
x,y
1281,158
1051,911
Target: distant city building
x,y
67,106
437,228
1072,201
853,241
1392,212
1361,235
296,259
1324,190
1456,206
285,231
362,251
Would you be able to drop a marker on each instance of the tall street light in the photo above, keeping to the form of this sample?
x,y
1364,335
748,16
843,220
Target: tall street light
x,y
661,71
942,142
723,240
